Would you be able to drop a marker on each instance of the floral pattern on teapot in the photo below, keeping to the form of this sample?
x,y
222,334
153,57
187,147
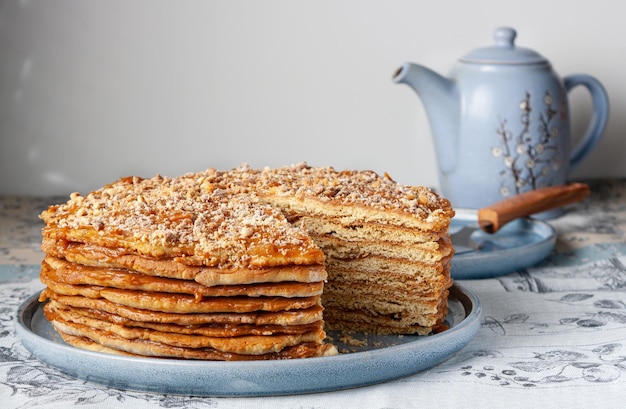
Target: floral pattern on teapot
x,y
529,163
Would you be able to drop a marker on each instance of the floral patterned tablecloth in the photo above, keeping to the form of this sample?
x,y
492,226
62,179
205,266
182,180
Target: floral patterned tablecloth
x,y
551,335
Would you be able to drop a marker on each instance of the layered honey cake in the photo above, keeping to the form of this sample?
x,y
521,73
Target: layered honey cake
x,y
245,263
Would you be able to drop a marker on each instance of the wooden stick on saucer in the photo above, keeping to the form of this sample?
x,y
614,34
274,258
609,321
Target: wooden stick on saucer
x,y
493,217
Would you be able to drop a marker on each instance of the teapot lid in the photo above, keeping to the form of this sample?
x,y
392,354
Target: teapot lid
x,y
504,51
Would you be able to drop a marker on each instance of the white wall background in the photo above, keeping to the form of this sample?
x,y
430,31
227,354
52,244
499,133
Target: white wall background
x,y
94,90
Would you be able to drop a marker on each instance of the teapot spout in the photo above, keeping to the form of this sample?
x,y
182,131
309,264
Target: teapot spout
x,y
442,104
431,86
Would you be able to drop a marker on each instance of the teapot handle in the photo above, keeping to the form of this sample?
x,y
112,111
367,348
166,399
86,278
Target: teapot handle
x,y
599,118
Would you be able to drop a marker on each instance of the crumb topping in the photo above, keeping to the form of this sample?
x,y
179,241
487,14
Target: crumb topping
x,y
348,187
365,188
217,215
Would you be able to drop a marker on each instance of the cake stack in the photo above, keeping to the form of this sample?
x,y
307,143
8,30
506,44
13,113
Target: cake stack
x,y
237,264
182,268
387,246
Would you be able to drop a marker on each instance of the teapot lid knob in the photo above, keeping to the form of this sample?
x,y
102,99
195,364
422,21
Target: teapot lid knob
x,y
504,51
504,37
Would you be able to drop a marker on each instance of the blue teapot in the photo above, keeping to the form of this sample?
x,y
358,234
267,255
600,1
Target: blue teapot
x,y
501,122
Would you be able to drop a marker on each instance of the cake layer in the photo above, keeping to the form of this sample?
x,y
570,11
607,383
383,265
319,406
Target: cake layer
x,y
343,292
376,268
103,341
428,252
292,317
401,322
379,326
246,344
344,230
58,272
97,256
187,304
213,330
420,311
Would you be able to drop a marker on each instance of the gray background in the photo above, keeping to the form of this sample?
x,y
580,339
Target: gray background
x,y
94,90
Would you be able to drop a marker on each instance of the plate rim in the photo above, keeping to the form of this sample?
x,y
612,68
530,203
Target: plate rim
x,y
335,369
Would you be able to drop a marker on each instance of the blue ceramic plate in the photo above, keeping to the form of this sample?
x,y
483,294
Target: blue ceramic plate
x,y
384,358
519,244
